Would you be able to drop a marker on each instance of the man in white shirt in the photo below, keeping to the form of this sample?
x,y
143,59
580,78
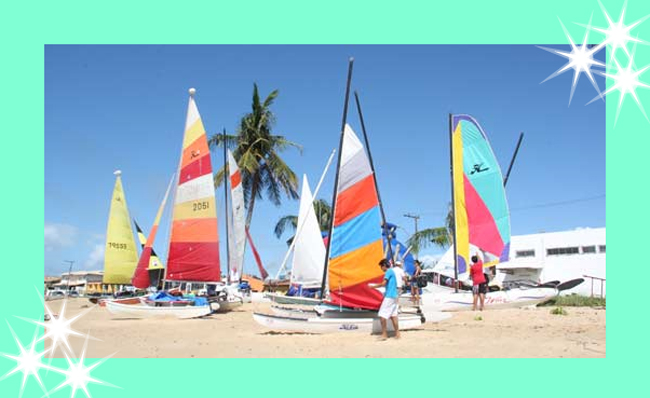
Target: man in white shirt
x,y
400,275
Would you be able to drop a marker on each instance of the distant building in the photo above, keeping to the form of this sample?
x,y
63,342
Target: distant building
x,y
82,281
550,256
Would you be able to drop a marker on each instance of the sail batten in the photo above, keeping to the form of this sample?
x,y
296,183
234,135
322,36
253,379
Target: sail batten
x,y
120,255
356,242
194,242
482,219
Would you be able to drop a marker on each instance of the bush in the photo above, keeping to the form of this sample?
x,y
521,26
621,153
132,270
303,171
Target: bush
x,y
559,311
575,300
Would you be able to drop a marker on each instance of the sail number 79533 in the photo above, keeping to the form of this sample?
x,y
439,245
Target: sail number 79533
x,y
119,246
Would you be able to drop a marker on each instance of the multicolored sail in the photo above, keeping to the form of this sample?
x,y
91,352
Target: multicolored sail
x,y
120,256
238,233
149,261
481,211
194,242
356,242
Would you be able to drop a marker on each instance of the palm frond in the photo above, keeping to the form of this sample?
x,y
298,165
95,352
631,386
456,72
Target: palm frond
x,y
438,236
284,224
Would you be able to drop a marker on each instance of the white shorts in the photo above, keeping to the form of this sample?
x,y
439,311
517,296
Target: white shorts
x,y
388,308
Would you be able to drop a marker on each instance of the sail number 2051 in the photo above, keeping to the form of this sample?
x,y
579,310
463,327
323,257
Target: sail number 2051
x,y
198,206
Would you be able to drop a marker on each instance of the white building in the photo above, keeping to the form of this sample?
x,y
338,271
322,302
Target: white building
x,y
551,256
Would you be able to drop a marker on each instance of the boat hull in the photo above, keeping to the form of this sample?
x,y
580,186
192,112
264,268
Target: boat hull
x,y
445,299
145,311
127,301
296,300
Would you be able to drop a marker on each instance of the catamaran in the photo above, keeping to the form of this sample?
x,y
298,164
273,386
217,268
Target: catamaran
x,y
481,225
354,248
193,255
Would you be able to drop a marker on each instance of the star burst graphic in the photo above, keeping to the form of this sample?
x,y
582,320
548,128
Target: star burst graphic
x,y
581,59
28,361
77,376
617,34
626,81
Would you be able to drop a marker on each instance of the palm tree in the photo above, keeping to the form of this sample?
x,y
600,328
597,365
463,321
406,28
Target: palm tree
x,y
442,237
257,152
323,215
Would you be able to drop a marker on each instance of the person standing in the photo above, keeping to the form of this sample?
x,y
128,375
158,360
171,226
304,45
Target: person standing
x,y
388,308
400,274
415,289
479,285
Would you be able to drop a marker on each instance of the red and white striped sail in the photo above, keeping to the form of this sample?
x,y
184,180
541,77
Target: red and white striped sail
x,y
194,243
238,230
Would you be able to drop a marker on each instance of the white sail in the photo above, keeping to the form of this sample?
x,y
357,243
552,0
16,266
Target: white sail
x,y
237,231
309,253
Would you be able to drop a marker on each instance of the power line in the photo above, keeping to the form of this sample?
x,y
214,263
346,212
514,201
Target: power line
x,y
562,203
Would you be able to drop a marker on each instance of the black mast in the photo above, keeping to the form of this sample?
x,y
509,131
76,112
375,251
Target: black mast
x,y
512,161
226,176
453,203
372,167
336,177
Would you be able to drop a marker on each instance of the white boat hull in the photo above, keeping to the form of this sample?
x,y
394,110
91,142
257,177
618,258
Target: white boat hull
x,y
331,325
445,299
225,306
145,311
295,300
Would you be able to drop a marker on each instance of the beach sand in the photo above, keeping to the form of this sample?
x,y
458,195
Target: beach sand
x,y
522,332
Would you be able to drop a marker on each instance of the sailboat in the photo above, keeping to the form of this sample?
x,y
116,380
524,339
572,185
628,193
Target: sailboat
x,y
308,250
193,255
482,225
120,253
354,248
155,268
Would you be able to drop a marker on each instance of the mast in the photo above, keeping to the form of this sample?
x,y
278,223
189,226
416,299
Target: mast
x,y
336,176
453,202
512,161
226,177
372,166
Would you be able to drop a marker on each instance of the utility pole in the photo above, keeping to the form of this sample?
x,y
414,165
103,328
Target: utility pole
x,y
415,218
69,273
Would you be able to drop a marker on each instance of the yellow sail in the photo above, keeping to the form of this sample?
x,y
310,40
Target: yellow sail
x,y
120,256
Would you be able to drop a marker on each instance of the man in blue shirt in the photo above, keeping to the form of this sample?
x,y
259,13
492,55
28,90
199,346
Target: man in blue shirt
x,y
388,307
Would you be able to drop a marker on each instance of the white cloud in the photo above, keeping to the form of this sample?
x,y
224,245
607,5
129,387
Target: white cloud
x,y
95,260
59,235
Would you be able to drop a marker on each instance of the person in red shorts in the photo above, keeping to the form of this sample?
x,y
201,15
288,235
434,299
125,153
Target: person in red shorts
x,y
479,283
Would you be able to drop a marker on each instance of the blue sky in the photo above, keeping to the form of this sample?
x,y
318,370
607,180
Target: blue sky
x,y
123,107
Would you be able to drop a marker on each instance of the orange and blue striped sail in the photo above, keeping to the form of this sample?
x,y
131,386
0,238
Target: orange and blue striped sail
x,y
148,258
356,244
194,243
482,219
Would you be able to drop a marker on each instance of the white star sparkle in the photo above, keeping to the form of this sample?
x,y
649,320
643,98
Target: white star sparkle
x,y
77,376
581,59
59,328
28,361
617,35
626,81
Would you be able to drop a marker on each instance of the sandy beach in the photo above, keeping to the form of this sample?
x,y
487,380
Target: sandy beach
x,y
525,332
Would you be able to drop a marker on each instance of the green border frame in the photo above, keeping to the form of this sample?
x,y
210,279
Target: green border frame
x,y
26,27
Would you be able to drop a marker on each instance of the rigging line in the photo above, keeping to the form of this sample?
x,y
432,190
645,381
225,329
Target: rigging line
x,y
561,203
540,205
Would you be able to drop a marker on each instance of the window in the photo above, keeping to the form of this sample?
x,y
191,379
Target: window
x,y
588,249
562,250
525,253
601,248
